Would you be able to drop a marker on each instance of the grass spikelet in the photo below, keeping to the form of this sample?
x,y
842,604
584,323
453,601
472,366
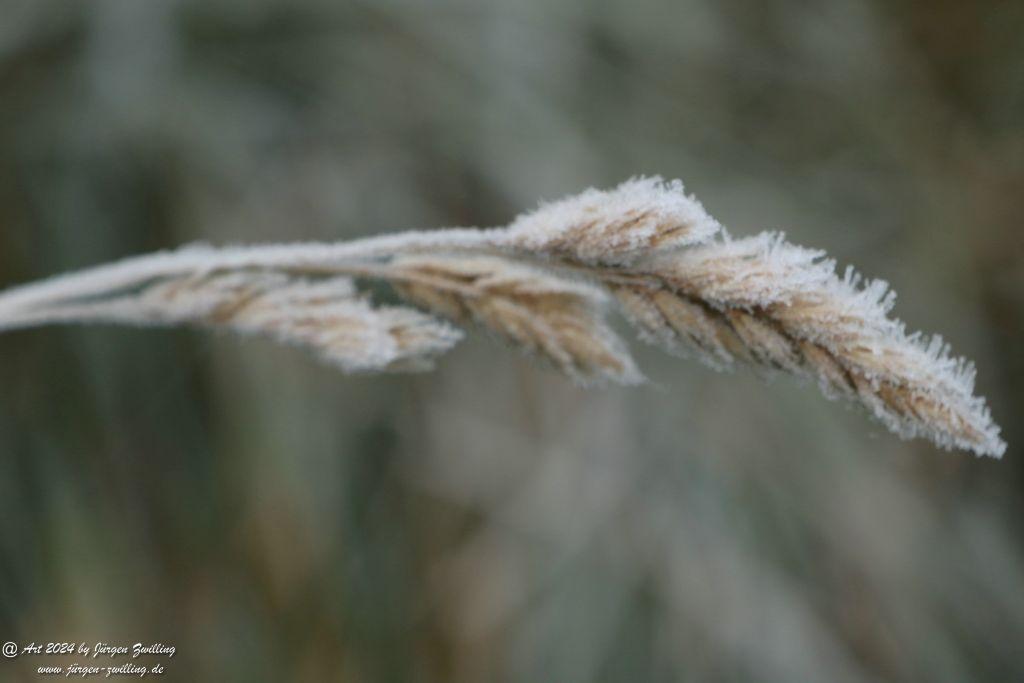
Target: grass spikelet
x,y
328,317
793,313
681,326
558,318
614,227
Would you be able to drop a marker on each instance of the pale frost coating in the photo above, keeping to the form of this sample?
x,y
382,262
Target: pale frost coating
x,y
326,316
542,283
559,318
617,226
792,312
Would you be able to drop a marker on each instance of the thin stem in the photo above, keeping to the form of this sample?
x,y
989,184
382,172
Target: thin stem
x,y
135,271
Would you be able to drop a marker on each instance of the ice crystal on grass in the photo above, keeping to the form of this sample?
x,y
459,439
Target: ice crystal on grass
x,y
328,317
543,283
558,318
614,227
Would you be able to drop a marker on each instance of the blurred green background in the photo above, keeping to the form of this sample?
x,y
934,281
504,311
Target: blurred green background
x,y
277,521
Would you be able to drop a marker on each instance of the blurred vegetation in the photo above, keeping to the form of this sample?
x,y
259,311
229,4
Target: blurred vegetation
x,y
277,521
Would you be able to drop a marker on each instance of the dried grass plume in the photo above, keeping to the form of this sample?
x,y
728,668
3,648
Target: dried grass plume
x,y
546,283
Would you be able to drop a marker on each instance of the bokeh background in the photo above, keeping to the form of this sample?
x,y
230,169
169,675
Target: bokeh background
x,y
275,520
